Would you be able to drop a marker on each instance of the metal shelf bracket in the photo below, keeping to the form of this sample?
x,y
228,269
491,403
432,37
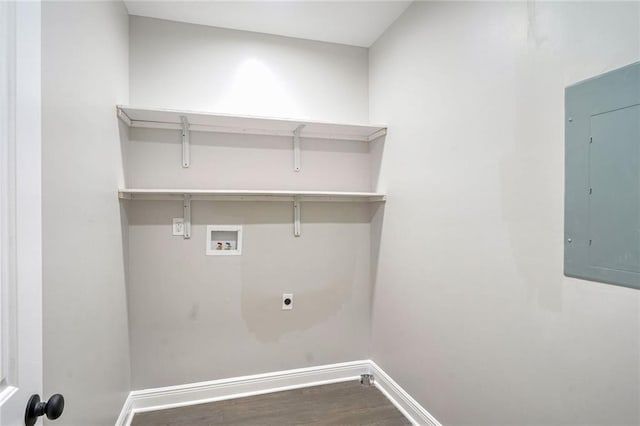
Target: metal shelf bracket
x,y
186,143
296,148
123,116
296,216
187,216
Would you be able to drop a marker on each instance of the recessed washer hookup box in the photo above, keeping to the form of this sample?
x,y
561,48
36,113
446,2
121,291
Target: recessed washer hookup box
x,y
224,240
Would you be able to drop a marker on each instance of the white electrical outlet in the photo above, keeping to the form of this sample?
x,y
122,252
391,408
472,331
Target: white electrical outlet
x,y
178,226
287,301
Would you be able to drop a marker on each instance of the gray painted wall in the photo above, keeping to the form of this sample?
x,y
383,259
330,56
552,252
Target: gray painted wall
x,y
227,161
472,314
85,54
195,317
199,68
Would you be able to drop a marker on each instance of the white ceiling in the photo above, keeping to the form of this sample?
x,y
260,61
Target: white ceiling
x,y
357,23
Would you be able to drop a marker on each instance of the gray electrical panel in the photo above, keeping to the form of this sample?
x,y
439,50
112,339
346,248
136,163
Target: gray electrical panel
x,y
602,178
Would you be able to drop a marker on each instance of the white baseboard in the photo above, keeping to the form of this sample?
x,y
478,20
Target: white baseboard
x,y
126,415
408,406
236,387
216,390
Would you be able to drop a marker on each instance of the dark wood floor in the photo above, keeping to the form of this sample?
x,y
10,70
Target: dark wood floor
x,y
348,403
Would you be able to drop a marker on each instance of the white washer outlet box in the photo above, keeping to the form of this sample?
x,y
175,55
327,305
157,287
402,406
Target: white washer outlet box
x,y
224,240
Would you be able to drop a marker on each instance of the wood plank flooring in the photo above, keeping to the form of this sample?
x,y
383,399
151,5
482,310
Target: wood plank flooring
x,y
347,403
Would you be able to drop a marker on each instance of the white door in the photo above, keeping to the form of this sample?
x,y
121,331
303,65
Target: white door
x,y
20,210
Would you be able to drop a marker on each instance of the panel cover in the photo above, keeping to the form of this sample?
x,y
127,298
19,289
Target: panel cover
x,y
602,178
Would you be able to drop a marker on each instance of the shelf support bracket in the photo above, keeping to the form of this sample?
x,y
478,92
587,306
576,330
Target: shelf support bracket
x,y
186,204
296,216
186,143
296,148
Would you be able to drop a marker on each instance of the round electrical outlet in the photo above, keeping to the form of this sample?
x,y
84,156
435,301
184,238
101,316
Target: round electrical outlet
x,y
287,301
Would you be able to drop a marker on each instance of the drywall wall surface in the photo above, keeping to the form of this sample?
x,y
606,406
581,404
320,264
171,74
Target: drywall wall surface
x,y
84,75
194,67
234,161
472,314
210,317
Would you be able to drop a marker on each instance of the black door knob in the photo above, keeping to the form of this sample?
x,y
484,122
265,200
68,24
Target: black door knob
x,y
35,408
